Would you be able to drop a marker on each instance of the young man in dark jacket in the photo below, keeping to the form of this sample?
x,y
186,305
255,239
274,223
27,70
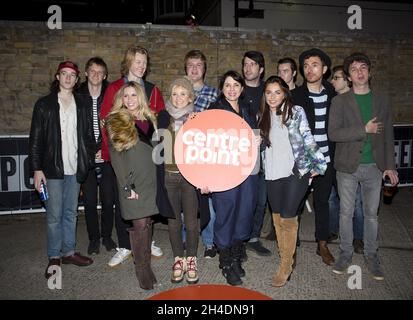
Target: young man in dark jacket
x,y
61,148
315,97
92,91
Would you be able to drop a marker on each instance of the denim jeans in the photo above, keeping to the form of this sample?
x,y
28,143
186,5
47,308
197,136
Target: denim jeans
x,y
334,204
259,209
208,232
61,216
369,177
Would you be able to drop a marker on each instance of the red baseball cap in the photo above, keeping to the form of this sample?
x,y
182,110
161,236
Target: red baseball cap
x,y
68,64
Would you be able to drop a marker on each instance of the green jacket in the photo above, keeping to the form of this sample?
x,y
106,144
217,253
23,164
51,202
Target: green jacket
x,y
135,167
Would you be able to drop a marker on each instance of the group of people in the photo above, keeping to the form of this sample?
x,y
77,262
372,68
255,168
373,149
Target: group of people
x,y
334,139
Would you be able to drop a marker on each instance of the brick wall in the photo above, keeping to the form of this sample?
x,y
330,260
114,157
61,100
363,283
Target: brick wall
x,y
30,52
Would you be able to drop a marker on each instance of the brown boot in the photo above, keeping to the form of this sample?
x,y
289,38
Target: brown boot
x,y
287,239
139,244
277,225
325,253
148,252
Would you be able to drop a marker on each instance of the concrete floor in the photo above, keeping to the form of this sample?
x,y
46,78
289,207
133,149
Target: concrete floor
x,y
23,251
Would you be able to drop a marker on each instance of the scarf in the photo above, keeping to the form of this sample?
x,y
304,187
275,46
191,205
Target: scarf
x,y
179,114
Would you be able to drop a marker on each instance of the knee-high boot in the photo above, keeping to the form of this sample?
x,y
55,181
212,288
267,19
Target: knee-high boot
x,y
277,224
148,251
139,243
287,242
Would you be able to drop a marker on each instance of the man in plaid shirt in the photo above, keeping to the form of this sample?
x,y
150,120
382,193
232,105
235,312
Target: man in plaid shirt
x,y
195,69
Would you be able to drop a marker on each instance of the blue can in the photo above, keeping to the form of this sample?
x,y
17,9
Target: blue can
x,y
44,195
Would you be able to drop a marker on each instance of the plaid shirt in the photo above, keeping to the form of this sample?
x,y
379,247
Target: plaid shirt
x,y
204,97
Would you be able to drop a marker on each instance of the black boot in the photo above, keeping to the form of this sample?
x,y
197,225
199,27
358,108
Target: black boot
x,y
236,253
225,260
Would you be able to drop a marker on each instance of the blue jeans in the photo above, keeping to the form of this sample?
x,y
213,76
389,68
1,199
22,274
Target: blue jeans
x,y
208,232
334,204
259,209
61,216
369,177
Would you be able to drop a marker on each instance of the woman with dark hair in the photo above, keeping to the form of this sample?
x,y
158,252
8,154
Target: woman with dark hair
x,y
291,158
235,207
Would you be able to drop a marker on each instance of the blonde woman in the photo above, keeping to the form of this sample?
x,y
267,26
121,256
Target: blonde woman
x,y
130,127
181,193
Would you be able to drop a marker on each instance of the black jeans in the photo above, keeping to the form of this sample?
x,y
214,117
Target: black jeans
x,y
321,192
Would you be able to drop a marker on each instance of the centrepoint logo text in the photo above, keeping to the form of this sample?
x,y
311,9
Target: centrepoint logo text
x,y
216,147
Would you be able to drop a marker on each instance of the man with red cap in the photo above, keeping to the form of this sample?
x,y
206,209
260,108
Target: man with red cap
x,y
61,151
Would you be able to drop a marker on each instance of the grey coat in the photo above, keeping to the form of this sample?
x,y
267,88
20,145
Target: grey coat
x,y
347,129
135,166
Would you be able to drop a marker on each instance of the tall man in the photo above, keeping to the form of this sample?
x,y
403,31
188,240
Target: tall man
x,y
361,124
61,149
253,71
92,90
315,97
133,68
195,68
342,85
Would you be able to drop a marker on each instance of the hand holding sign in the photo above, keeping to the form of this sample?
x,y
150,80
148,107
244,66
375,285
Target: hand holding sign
x,y
216,150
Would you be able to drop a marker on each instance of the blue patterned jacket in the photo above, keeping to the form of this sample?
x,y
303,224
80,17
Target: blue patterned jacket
x,y
307,154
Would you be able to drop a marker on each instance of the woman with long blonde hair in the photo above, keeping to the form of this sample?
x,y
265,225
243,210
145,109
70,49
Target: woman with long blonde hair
x,y
130,127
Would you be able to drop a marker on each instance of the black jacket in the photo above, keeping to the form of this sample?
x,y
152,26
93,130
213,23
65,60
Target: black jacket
x,y
301,98
45,147
244,110
83,91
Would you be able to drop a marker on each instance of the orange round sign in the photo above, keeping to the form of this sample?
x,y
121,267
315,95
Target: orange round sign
x,y
216,149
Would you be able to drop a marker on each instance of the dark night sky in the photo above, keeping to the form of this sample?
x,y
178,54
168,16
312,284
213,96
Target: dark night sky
x,y
116,11
125,11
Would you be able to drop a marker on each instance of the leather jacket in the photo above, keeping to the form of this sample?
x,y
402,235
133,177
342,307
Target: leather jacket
x,y
45,147
83,91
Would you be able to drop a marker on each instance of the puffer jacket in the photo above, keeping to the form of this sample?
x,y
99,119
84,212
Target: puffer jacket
x,y
45,147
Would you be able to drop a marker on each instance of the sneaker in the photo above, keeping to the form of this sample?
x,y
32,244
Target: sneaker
x,y
342,264
94,247
210,252
121,256
373,265
156,251
191,270
258,248
358,246
178,270
109,244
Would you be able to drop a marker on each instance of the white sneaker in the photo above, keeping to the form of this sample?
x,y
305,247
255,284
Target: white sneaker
x,y
121,256
156,251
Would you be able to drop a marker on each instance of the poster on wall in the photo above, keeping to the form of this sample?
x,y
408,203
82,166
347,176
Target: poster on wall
x,y
17,189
